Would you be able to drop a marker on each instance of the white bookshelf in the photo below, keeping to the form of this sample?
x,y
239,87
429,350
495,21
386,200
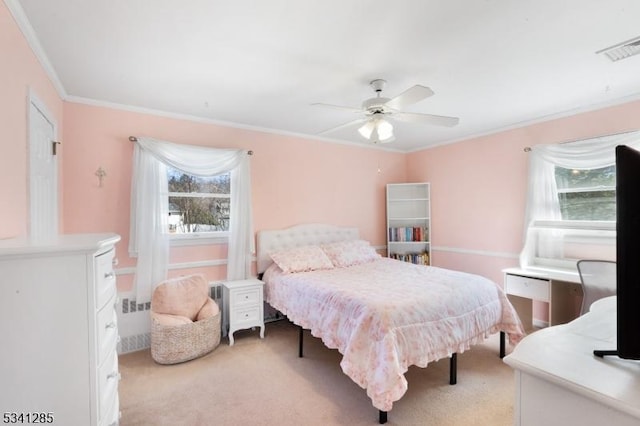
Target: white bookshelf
x,y
409,222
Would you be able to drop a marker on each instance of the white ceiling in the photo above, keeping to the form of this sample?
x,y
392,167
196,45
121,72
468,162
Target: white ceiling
x,y
495,64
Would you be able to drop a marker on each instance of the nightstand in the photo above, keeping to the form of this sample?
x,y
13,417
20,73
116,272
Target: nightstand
x,y
243,306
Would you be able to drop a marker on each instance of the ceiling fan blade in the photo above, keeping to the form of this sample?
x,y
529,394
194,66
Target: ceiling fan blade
x,y
340,107
414,117
410,96
342,126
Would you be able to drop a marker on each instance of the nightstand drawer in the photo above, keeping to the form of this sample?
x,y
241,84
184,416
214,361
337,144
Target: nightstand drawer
x,y
249,296
247,315
531,288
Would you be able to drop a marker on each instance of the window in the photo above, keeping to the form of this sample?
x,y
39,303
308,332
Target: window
x,y
571,203
198,205
585,224
588,195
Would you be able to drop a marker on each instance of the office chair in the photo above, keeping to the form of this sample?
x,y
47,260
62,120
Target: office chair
x,y
598,279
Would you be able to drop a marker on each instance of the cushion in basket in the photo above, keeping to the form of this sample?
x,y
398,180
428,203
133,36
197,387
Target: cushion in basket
x,y
183,296
301,259
170,320
351,252
210,309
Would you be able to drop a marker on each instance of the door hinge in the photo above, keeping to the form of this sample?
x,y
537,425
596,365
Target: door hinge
x,y
54,146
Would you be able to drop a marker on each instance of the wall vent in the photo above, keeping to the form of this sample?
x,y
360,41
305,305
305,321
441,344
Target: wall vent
x,y
133,325
134,343
622,50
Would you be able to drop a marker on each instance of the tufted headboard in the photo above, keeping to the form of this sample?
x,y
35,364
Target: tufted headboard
x,y
297,236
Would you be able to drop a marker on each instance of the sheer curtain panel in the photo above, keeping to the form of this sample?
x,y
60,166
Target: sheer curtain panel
x,y
149,240
542,194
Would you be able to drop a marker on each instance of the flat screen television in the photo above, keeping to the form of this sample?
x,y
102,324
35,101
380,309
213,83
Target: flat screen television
x,y
627,254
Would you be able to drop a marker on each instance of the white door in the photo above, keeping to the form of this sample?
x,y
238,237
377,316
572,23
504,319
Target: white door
x,y
43,182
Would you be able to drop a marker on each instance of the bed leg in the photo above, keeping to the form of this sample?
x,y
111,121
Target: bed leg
x,y
502,344
382,417
300,337
453,369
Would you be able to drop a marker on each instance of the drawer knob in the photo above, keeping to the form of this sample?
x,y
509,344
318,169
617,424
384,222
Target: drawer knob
x,y
109,275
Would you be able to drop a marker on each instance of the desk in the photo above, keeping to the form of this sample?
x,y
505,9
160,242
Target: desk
x,y
560,382
560,289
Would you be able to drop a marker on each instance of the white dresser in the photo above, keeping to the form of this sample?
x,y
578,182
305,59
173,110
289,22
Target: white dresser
x,y
58,330
560,382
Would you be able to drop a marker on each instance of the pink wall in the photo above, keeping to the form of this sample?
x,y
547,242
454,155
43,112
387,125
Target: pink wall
x,y
294,180
20,72
478,188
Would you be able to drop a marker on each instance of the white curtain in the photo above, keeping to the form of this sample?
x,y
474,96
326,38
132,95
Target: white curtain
x,y
149,241
542,197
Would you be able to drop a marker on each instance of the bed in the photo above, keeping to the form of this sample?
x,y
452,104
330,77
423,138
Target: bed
x,y
382,315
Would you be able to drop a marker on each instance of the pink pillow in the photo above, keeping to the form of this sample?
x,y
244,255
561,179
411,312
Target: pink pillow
x,y
352,252
302,259
182,296
210,309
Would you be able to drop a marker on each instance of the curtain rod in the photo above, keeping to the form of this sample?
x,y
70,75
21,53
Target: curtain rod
x,y
528,148
135,139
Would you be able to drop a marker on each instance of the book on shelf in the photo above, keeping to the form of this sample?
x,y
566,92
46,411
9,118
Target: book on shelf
x,y
409,233
416,258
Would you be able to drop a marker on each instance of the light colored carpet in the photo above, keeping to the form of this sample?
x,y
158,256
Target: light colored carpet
x,y
263,382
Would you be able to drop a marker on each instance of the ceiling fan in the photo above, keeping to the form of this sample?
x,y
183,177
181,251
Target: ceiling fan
x,y
378,111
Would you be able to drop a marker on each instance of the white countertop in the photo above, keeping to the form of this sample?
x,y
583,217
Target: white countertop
x,y
60,243
569,275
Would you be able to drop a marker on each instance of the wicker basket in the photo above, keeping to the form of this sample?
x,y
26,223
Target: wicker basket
x,y
175,344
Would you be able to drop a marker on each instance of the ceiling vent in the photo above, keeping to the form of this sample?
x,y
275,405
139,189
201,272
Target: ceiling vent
x,y
622,50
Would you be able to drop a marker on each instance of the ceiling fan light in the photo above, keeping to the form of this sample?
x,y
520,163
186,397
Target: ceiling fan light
x,y
367,129
385,130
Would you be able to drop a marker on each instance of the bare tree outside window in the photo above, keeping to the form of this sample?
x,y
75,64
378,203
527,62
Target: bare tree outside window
x,y
587,194
198,204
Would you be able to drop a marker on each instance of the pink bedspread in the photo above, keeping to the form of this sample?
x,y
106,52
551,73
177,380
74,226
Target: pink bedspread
x,y
386,315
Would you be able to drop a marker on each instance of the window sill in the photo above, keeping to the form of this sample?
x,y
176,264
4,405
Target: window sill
x,y
182,240
596,225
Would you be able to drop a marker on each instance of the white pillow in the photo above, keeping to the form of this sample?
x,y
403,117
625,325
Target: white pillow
x,y
301,259
351,252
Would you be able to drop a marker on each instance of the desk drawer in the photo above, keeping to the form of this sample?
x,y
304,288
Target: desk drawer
x,y
531,288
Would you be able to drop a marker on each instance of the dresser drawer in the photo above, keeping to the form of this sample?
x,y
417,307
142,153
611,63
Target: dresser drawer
x,y
108,378
244,297
531,288
105,278
111,415
107,330
245,316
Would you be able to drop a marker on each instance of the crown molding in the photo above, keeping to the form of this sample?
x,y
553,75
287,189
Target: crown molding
x,y
30,35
